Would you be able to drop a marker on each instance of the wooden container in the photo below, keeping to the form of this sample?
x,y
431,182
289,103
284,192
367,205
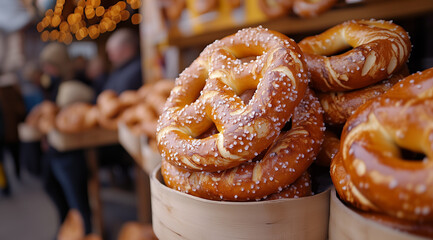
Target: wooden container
x,y
344,223
88,139
176,215
150,158
27,133
130,142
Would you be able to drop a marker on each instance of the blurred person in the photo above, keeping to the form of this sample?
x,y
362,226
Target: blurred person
x,y
124,54
64,173
96,72
31,86
13,111
79,65
56,68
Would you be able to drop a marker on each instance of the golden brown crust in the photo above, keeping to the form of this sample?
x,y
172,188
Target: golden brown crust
x,y
207,93
378,178
380,48
285,161
330,147
300,188
339,106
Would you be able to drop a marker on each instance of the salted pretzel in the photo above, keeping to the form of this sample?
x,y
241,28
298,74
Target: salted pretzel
x,y
370,171
339,106
284,162
312,8
43,116
77,117
380,48
207,93
328,150
300,188
275,8
110,109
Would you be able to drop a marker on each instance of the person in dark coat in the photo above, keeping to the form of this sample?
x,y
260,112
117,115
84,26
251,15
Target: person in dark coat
x,y
124,54
14,110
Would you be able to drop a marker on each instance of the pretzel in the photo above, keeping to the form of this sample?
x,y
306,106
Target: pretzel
x,y
157,97
207,93
129,98
275,8
369,171
312,8
300,188
380,48
284,162
140,119
338,106
43,116
77,117
110,109
330,147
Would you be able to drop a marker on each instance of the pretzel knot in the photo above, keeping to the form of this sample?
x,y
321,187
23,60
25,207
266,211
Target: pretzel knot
x,y
207,94
371,159
272,173
380,48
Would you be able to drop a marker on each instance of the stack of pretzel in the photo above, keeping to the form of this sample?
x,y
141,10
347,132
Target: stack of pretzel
x,y
241,123
344,82
43,117
138,109
383,167
141,118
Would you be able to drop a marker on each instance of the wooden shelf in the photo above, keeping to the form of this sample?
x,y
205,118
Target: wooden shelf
x,y
387,9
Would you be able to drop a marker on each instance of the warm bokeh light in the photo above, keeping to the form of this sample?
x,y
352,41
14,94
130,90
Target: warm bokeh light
x,y
136,18
62,28
45,35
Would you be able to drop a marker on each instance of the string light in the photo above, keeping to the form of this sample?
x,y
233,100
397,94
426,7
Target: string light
x,y
64,28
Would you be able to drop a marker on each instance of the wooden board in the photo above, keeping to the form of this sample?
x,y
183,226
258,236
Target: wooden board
x,y
88,139
28,133
344,222
177,215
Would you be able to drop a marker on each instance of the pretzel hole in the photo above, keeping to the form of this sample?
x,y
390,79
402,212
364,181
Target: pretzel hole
x,y
287,126
409,155
209,132
336,52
